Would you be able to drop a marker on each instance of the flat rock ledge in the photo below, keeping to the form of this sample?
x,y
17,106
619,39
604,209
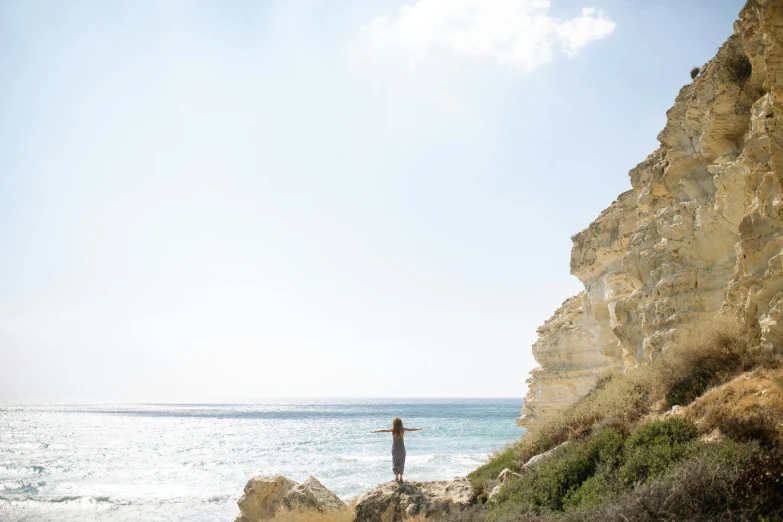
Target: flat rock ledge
x,y
444,500
265,496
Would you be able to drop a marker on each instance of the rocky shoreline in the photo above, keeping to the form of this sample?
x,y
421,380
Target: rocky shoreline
x,y
438,500
266,496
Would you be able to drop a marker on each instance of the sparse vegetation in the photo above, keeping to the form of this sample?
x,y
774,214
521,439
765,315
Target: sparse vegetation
x,y
718,347
749,408
626,463
695,72
548,485
483,477
654,447
731,481
733,66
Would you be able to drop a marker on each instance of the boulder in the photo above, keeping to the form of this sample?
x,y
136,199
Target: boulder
x,y
263,497
503,476
507,474
445,500
544,456
312,495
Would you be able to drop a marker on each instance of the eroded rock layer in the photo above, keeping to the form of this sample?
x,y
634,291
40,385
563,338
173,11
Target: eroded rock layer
x,y
700,231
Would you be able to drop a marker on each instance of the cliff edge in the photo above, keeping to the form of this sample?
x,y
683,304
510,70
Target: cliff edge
x,y
700,231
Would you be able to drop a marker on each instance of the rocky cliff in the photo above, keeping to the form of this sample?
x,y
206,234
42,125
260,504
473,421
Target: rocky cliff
x,y
700,231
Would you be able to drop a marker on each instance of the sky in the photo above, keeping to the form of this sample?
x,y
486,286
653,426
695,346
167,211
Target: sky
x,y
207,201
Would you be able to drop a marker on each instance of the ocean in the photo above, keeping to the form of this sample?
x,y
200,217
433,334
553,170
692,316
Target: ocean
x,y
178,462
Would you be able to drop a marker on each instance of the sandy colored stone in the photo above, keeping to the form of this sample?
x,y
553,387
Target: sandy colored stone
x,y
444,500
700,231
501,479
312,495
263,497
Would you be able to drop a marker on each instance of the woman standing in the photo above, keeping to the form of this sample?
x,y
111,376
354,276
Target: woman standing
x,y
398,446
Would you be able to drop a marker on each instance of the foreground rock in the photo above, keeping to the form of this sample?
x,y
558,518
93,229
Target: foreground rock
x,y
311,495
503,476
265,496
438,500
700,231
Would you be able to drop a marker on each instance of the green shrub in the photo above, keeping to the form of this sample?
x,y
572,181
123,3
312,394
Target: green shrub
x,y
695,72
544,487
688,389
593,492
482,477
727,481
548,485
654,447
512,457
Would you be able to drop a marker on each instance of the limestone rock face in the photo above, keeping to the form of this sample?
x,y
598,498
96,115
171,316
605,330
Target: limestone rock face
x,y
446,500
700,231
570,359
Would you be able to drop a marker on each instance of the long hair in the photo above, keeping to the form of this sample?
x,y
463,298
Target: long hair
x,y
397,427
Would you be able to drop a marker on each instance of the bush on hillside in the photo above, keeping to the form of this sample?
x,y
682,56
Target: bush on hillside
x,y
656,446
730,481
686,390
726,481
695,72
546,485
483,478
593,492
704,359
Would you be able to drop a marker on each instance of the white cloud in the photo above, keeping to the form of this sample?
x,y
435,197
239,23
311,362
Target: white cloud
x,y
517,33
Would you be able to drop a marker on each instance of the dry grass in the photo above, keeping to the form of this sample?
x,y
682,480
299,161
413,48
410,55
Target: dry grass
x,y
749,407
706,353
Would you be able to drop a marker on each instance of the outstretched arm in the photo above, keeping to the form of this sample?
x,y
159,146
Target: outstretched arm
x,y
412,429
382,431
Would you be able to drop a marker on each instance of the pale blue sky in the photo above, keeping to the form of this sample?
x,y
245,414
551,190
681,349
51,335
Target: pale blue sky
x,y
209,201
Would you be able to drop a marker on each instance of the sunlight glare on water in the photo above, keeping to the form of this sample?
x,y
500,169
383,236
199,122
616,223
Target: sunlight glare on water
x,y
190,462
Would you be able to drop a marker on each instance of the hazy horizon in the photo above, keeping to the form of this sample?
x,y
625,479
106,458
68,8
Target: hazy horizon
x,y
205,202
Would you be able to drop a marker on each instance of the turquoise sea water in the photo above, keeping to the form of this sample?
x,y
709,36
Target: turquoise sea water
x,y
190,462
